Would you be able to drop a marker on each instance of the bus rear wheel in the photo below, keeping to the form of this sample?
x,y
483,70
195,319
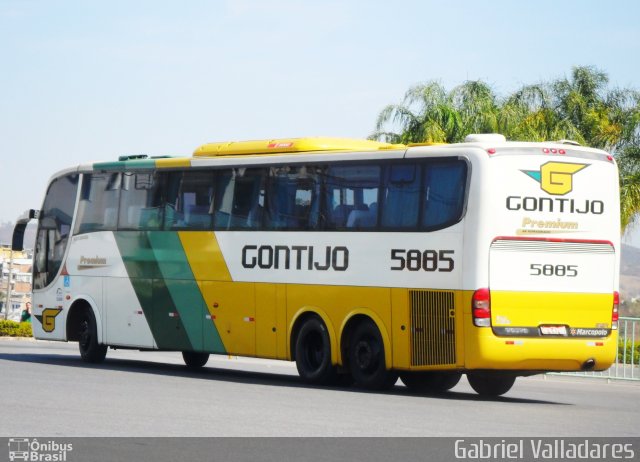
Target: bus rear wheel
x,y
313,353
195,360
90,350
490,384
430,382
367,358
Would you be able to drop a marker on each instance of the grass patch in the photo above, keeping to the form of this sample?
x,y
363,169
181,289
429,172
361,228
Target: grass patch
x,y
629,353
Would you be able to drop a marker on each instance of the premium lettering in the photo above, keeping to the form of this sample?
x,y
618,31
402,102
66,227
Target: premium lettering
x,y
529,223
93,261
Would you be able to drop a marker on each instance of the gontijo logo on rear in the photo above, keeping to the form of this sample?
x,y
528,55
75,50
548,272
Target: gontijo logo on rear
x,y
555,178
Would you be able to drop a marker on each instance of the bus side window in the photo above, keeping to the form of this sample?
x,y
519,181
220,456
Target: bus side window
x,y
97,210
349,189
189,200
223,199
141,201
401,197
443,193
240,199
292,199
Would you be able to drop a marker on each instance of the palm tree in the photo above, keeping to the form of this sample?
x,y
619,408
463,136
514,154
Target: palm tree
x,y
629,165
425,115
430,114
529,114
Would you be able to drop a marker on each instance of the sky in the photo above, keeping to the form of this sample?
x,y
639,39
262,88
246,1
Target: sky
x,y
82,80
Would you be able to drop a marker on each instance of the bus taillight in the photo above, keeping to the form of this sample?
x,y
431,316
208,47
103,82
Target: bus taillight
x,y
614,312
481,307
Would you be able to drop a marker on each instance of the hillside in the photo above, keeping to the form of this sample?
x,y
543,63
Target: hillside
x,y
630,281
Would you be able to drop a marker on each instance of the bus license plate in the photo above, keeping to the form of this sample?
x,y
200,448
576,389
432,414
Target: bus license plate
x,y
553,330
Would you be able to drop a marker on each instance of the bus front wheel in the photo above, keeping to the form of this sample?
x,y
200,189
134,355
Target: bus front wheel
x,y
313,353
90,350
430,382
490,384
367,358
195,360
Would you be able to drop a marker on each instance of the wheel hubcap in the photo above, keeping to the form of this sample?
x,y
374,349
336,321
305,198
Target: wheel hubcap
x,y
314,351
364,355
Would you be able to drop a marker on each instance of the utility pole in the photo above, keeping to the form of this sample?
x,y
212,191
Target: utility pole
x,y
6,304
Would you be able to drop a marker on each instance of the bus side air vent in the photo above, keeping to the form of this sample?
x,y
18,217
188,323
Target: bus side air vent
x,y
433,335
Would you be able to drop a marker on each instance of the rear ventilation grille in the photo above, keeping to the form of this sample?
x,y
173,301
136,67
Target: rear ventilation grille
x,y
433,335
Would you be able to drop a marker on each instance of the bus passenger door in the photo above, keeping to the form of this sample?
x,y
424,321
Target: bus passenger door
x,y
231,306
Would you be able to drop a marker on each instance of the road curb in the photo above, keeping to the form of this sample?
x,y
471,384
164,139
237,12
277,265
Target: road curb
x,y
7,338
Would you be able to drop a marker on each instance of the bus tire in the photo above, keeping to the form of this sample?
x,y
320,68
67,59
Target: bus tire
x,y
430,382
195,360
490,384
90,350
367,358
313,353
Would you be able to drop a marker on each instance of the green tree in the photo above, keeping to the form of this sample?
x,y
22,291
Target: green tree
x,y
429,113
580,108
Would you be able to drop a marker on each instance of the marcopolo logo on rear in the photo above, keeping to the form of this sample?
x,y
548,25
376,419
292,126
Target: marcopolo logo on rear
x,y
588,332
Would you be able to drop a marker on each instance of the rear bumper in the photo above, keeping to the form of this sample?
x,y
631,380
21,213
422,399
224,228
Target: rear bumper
x,y
484,350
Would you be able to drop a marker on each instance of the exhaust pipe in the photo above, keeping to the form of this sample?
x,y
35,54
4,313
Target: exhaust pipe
x,y
589,364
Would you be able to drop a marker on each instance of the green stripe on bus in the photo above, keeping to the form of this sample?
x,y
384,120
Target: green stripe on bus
x,y
125,165
151,289
184,290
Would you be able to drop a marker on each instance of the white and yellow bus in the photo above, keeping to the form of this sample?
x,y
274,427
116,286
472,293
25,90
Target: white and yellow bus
x,y
360,261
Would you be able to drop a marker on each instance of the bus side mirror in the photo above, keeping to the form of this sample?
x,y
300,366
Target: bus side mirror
x,y
17,241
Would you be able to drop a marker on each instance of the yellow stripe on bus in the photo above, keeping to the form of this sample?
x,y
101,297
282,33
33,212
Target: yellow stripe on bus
x,y
204,256
173,162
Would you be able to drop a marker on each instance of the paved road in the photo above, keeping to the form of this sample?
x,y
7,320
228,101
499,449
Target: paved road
x,y
47,390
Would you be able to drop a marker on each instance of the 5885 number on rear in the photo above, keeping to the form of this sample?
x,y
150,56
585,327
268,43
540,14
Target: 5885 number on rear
x,y
539,269
422,260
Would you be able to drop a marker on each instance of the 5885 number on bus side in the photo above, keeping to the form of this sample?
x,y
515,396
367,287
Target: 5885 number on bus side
x,y
422,260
